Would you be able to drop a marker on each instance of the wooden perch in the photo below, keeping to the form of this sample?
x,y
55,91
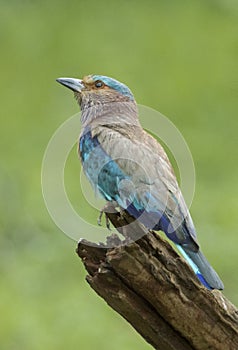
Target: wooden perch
x,y
154,289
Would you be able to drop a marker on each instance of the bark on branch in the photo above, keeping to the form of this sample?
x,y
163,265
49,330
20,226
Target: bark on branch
x,y
154,289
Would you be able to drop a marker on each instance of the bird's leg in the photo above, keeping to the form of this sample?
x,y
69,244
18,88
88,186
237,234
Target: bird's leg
x,y
99,220
108,208
122,213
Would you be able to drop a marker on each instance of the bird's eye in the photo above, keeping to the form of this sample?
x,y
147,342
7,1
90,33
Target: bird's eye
x,y
98,84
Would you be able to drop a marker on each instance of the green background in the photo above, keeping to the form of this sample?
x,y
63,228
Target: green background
x,y
178,57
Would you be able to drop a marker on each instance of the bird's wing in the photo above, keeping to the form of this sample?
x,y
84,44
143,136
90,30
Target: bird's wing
x,y
152,184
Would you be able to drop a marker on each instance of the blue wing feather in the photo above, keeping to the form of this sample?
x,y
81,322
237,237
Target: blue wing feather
x,y
105,175
101,170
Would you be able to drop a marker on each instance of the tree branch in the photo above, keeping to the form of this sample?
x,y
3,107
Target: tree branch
x,y
154,289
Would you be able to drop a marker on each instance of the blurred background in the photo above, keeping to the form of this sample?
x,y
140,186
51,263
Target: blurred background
x,y
178,57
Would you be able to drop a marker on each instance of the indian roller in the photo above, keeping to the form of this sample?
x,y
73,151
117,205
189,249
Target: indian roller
x,y
128,166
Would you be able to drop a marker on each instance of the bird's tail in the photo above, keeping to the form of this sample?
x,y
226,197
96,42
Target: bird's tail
x,y
205,273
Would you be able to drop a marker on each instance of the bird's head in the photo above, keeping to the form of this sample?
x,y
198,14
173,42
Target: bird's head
x,y
97,90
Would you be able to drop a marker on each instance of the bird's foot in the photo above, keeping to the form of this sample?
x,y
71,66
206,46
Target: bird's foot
x,y
122,213
99,220
108,208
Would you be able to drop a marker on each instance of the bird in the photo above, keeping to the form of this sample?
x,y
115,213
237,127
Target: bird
x,y
126,165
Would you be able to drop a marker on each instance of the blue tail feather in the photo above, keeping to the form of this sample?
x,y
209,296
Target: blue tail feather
x,y
203,270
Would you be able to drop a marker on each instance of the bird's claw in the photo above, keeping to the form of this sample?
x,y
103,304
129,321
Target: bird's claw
x,y
99,220
122,213
107,223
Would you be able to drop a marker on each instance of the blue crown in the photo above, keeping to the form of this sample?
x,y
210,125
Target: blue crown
x,y
114,84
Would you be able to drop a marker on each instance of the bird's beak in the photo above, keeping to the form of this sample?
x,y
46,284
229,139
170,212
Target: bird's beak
x,y
71,83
